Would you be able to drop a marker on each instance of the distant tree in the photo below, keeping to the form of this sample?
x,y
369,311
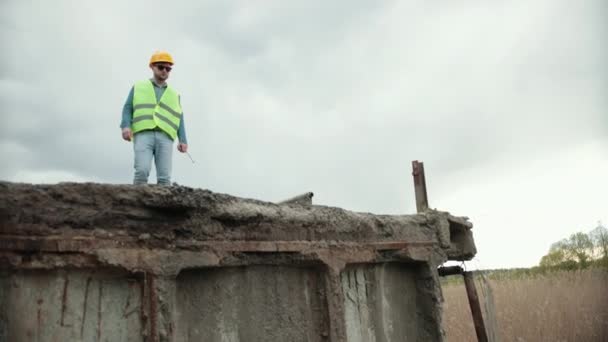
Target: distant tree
x,y
554,258
599,237
579,248
577,251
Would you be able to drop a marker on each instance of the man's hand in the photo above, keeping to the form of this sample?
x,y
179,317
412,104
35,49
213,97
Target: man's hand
x,y
183,148
127,134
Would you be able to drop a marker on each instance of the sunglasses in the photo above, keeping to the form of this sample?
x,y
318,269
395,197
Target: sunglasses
x,y
163,67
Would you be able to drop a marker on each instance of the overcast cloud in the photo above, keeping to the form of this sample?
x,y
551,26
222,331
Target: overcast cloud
x,y
505,102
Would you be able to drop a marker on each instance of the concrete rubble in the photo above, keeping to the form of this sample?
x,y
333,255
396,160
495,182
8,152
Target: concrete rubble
x,y
94,262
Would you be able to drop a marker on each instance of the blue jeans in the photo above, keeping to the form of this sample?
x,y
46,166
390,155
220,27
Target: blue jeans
x,y
148,145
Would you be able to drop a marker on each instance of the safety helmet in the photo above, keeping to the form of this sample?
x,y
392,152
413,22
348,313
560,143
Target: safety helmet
x,y
161,56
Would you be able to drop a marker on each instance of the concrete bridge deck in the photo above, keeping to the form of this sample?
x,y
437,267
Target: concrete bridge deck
x,y
93,262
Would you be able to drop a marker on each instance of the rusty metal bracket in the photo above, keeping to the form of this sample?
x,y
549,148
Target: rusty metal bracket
x,y
449,270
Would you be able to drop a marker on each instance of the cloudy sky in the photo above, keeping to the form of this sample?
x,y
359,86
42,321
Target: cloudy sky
x,y
505,102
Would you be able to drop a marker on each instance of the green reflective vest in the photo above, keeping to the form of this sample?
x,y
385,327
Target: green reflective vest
x,y
149,114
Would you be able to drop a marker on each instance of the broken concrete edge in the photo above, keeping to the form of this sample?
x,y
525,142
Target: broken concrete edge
x,y
180,217
161,215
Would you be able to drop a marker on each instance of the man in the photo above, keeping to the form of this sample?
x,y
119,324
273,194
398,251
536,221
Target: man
x,y
152,117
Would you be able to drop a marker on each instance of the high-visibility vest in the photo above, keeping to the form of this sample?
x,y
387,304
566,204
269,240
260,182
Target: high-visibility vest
x,y
148,114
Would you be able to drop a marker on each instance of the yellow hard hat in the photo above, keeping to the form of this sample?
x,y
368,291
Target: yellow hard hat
x,y
161,56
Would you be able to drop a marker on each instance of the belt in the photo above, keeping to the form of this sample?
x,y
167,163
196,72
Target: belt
x,y
155,129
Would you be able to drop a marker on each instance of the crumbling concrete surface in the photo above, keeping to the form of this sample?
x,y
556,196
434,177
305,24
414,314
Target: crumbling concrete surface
x,y
92,262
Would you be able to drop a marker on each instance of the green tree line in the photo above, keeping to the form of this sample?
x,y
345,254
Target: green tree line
x,y
579,251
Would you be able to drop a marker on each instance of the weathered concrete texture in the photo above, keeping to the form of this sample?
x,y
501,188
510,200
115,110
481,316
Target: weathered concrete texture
x,y
255,303
382,304
179,212
75,305
91,262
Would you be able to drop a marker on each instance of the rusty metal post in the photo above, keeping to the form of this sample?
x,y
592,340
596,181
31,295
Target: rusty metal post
x,y
480,328
150,306
422,202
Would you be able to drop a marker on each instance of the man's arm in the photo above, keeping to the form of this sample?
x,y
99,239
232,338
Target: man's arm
x,y
127,117
181,132
182,146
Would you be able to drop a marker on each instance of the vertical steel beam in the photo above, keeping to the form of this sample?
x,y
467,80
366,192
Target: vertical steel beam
x,y
422,201
480,328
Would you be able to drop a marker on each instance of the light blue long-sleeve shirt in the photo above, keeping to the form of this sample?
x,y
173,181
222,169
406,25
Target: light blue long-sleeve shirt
x,y
127,112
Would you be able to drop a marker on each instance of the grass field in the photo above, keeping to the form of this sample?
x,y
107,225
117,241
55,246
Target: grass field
x,y
562,306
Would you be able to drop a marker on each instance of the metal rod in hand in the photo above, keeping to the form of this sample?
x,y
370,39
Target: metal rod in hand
x,y
190,157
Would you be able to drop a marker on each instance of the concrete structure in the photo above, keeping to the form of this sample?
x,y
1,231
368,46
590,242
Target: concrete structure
x,y
91,262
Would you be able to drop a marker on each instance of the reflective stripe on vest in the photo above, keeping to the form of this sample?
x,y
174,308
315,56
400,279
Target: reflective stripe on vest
x,y
148,114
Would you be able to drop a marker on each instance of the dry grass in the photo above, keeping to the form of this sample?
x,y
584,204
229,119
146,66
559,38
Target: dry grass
x,y
564,306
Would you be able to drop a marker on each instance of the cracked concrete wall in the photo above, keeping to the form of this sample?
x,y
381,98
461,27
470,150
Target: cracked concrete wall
x,y
380,303
255,303
91,262
70,305
383,304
